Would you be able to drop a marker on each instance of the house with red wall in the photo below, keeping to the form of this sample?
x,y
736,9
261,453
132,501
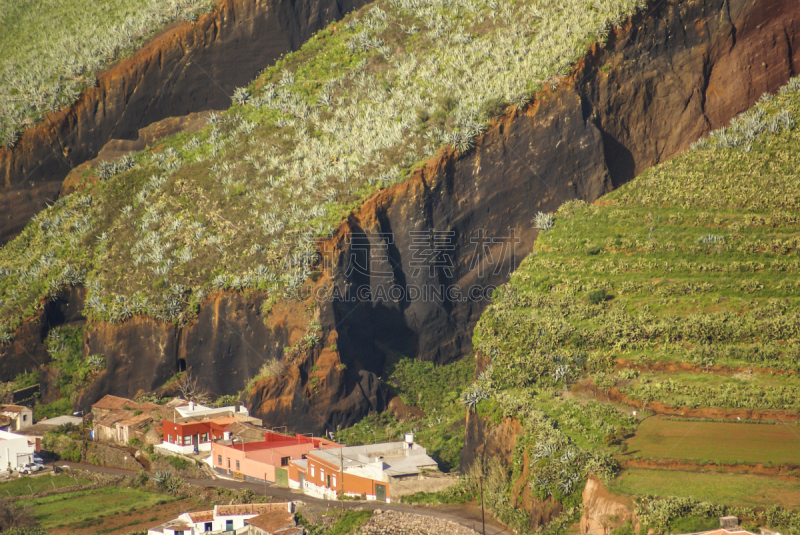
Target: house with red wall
x,y
190,436
267,460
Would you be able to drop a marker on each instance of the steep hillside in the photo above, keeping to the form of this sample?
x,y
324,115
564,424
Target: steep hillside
x,y
181,256
677,295
77,76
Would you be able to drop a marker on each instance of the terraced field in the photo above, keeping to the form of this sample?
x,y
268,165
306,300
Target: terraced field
x,y
771,443
676,293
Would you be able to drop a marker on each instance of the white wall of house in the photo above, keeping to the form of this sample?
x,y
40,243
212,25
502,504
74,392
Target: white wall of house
x,y
169,447
14,451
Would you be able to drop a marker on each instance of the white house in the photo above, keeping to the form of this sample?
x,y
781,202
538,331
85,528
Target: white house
x,y
15,450
15,417
192,409
251,519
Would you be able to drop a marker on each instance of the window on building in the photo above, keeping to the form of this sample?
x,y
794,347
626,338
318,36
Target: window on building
x,y
322,474
333,481
24,417
219,460
229,525
312,471
204,437
237,465
210,525
178,532
229,463
169,438
187,441
304,456
285,461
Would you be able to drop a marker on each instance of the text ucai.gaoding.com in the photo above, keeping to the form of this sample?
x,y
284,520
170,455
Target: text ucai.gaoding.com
x,y
396,293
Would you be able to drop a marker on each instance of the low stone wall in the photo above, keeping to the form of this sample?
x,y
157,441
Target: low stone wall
x,y
100,454
395,523
436,482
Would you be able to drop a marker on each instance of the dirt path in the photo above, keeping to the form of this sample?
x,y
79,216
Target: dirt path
x,y
468,515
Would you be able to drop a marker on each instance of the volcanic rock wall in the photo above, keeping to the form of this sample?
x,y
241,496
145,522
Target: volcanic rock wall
x,y
187,68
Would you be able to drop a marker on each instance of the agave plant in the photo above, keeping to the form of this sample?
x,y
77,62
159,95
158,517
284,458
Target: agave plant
x,y
543,221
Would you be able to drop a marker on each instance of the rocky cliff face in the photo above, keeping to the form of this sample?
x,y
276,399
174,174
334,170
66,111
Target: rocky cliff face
x,y
603,511
667,78
185,69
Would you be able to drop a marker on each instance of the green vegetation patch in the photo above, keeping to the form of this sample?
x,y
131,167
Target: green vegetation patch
x,y
741,490
680,287
51,49
722,442
25,486
434,390
62,510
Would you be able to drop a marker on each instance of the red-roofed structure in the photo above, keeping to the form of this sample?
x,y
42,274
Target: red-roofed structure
x,y
267,460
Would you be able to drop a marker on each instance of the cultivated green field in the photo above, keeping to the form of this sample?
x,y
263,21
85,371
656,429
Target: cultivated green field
x,y
71,508
680,287
740,490
51,49
24,486
719,441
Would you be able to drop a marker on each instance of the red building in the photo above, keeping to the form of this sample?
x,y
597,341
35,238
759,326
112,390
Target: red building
x,y
266,460
188,437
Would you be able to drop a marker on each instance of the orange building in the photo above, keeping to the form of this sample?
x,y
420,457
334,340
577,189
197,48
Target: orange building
x,y
267,460
367,471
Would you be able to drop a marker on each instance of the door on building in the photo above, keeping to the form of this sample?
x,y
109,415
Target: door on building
x,y
195,442
302,479
281,477
380,492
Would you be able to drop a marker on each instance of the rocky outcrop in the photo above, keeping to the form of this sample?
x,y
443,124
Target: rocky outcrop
x,y
603,511
186,68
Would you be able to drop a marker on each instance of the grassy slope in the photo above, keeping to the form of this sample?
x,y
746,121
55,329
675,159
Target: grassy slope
x,y
239,204
725,442
693,262
743,490
31,485
73,507
52,48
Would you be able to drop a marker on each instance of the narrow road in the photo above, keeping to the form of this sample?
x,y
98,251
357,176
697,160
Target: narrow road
x,y
468,514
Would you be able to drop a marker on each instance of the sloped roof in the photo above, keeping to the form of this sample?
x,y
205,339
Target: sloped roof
x,y
110,403
135,420
12,408
61,420
113,417
249,509
274,521
202,516
35,430
247,432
